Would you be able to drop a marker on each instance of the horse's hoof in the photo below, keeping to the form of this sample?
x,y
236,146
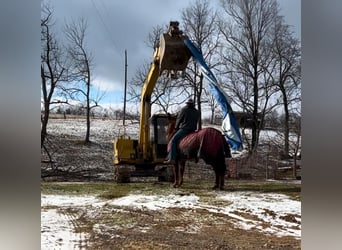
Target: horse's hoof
x,y
215,187
175,185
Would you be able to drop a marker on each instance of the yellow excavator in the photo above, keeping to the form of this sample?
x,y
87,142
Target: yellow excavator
x,y
144,156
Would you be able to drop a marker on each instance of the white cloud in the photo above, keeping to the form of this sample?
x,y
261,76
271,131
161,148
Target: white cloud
x,y
105,85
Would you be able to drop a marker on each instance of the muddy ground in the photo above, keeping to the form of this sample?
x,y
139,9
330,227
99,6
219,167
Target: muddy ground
x,y
185,229
114,226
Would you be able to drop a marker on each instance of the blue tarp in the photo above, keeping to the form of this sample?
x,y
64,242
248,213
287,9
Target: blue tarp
x,y
229,126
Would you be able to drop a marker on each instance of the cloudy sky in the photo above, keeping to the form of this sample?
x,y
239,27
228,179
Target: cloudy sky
x,y
115,26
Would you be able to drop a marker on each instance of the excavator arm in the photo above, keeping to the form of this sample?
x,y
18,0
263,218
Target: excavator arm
x,y
172,55
145,108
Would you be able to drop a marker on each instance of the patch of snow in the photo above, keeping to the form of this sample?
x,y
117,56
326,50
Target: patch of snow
x,y
57,229
157,202
68,200
269,208
100,130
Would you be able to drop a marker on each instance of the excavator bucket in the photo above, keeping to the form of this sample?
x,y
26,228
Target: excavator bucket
x,y
173,54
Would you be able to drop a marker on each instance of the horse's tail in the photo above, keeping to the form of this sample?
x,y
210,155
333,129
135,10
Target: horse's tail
x,y
221,163
226,148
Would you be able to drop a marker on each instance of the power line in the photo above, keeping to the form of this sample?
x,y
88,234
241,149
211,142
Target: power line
x,y
106,29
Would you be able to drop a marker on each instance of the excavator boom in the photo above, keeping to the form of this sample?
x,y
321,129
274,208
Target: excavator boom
x,y
172,56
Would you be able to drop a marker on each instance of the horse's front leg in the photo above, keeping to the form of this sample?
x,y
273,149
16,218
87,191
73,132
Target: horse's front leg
x,y
176,174
223,171
181,171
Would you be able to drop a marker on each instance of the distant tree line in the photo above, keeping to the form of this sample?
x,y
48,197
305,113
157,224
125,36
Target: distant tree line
x,y
80,110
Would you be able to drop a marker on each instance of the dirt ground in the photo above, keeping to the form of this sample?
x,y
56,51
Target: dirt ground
x,y
171,228
184,229
111,227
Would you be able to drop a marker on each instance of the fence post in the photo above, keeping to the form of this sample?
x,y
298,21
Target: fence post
x,y
232,169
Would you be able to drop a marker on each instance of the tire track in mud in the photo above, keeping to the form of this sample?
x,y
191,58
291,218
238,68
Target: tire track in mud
x,y
62,229
80,238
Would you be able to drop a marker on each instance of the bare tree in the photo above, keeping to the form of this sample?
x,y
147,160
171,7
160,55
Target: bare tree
x,y
246,30
211,103
287,73
52,68
82,66
199,21
153,38
295,146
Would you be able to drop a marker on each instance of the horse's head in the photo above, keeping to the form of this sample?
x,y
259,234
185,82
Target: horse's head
x,y
171,125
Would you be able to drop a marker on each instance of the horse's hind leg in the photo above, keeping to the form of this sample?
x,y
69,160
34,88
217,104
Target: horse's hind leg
x,y
220,171
221,186
217,179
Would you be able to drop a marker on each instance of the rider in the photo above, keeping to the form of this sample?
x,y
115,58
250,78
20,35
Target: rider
x,y
186,123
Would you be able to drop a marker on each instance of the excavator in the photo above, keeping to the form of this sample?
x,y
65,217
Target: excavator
x,y
144,156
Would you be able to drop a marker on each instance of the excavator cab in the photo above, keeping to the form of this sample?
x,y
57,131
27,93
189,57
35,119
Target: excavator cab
x,y
158,136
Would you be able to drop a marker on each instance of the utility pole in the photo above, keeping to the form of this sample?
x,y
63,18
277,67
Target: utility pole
x,y
124,109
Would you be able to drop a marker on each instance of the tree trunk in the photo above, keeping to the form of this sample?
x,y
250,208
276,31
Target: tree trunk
x,y
286,125
255,126
286,130
88,111
212,116
45,120
199,93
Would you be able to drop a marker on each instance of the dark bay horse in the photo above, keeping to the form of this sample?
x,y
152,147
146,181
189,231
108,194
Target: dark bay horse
x,y
208,144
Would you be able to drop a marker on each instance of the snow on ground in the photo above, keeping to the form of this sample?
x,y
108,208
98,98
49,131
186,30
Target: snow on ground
x,y
100,130
57,229
269,212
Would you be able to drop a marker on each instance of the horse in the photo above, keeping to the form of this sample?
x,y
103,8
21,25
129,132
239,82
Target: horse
x,y
208,144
